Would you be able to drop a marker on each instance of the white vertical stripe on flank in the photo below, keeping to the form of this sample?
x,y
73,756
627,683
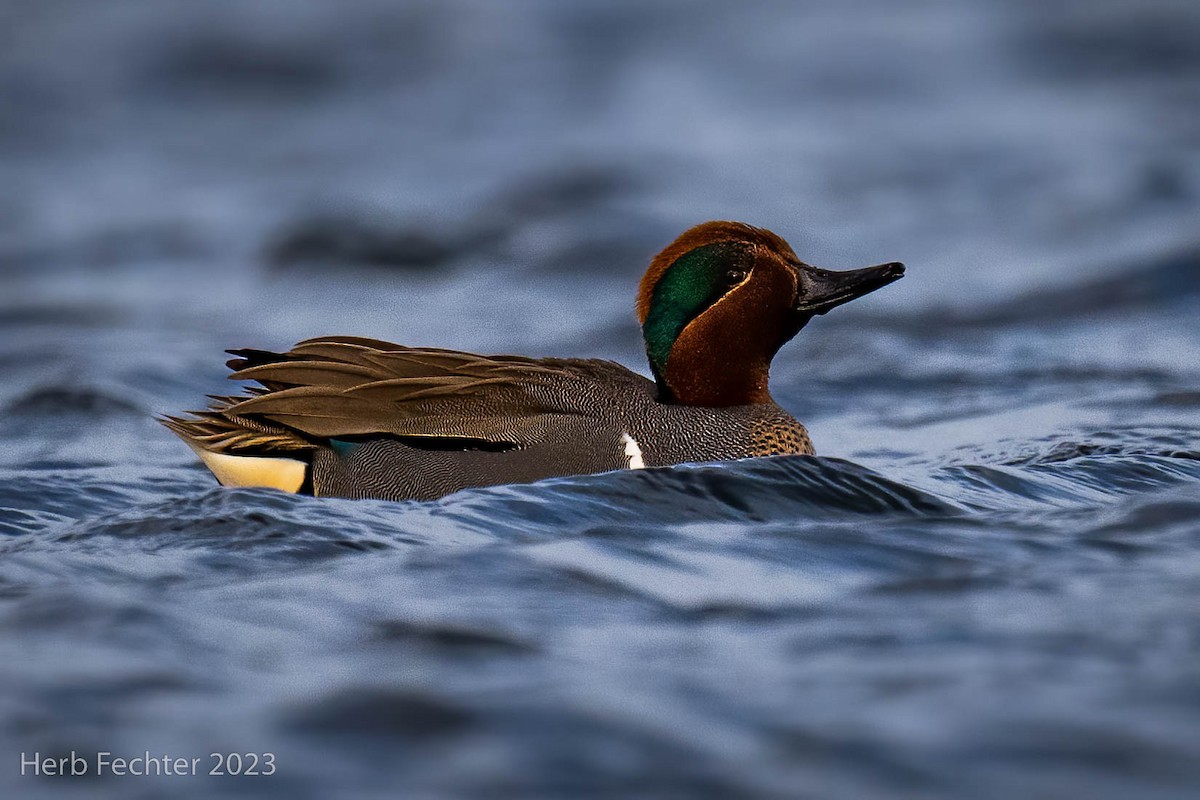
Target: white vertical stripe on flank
x,y
633,453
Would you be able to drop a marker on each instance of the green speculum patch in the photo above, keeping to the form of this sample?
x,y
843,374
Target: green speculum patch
x,y
689,286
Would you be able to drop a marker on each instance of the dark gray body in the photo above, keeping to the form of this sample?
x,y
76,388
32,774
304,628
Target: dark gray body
x,y
662,435
418,423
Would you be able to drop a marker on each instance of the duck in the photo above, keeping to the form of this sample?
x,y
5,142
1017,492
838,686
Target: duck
x,y
353,417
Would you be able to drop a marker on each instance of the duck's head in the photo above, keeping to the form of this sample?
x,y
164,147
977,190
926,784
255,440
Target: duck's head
x,y
719,302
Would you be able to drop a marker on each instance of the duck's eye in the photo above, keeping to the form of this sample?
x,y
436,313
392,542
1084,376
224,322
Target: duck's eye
x,y
735,276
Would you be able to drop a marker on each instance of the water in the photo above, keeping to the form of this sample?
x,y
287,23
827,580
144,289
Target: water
x,y
986,586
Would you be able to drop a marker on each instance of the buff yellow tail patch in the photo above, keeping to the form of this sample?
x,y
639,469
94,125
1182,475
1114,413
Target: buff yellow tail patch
x,y
286,474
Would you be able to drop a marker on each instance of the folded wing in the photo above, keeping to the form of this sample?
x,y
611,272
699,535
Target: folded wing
x,y
335,387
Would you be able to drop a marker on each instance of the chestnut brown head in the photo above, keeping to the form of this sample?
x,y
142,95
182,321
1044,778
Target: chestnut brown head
x,y
719,302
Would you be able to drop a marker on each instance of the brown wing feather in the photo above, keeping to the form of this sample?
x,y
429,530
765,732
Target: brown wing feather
x,y
352,386
305,373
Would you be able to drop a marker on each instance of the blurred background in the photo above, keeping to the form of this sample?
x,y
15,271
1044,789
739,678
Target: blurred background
x,y
180,178
998,147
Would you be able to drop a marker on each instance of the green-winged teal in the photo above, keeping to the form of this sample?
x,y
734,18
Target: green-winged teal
x,y
351,417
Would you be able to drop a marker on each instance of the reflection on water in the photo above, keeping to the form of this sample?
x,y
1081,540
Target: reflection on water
x,y
985,587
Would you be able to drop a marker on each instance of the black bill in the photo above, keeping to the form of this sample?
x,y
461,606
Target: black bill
x,y
821,289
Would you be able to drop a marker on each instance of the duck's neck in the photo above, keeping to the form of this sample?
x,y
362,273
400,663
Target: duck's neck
x,y
712,373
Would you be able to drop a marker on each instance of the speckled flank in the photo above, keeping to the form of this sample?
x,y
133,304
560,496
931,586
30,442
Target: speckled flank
x,y
777,439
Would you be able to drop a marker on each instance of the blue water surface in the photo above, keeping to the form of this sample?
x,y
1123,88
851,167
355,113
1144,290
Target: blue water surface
x,y
986,585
